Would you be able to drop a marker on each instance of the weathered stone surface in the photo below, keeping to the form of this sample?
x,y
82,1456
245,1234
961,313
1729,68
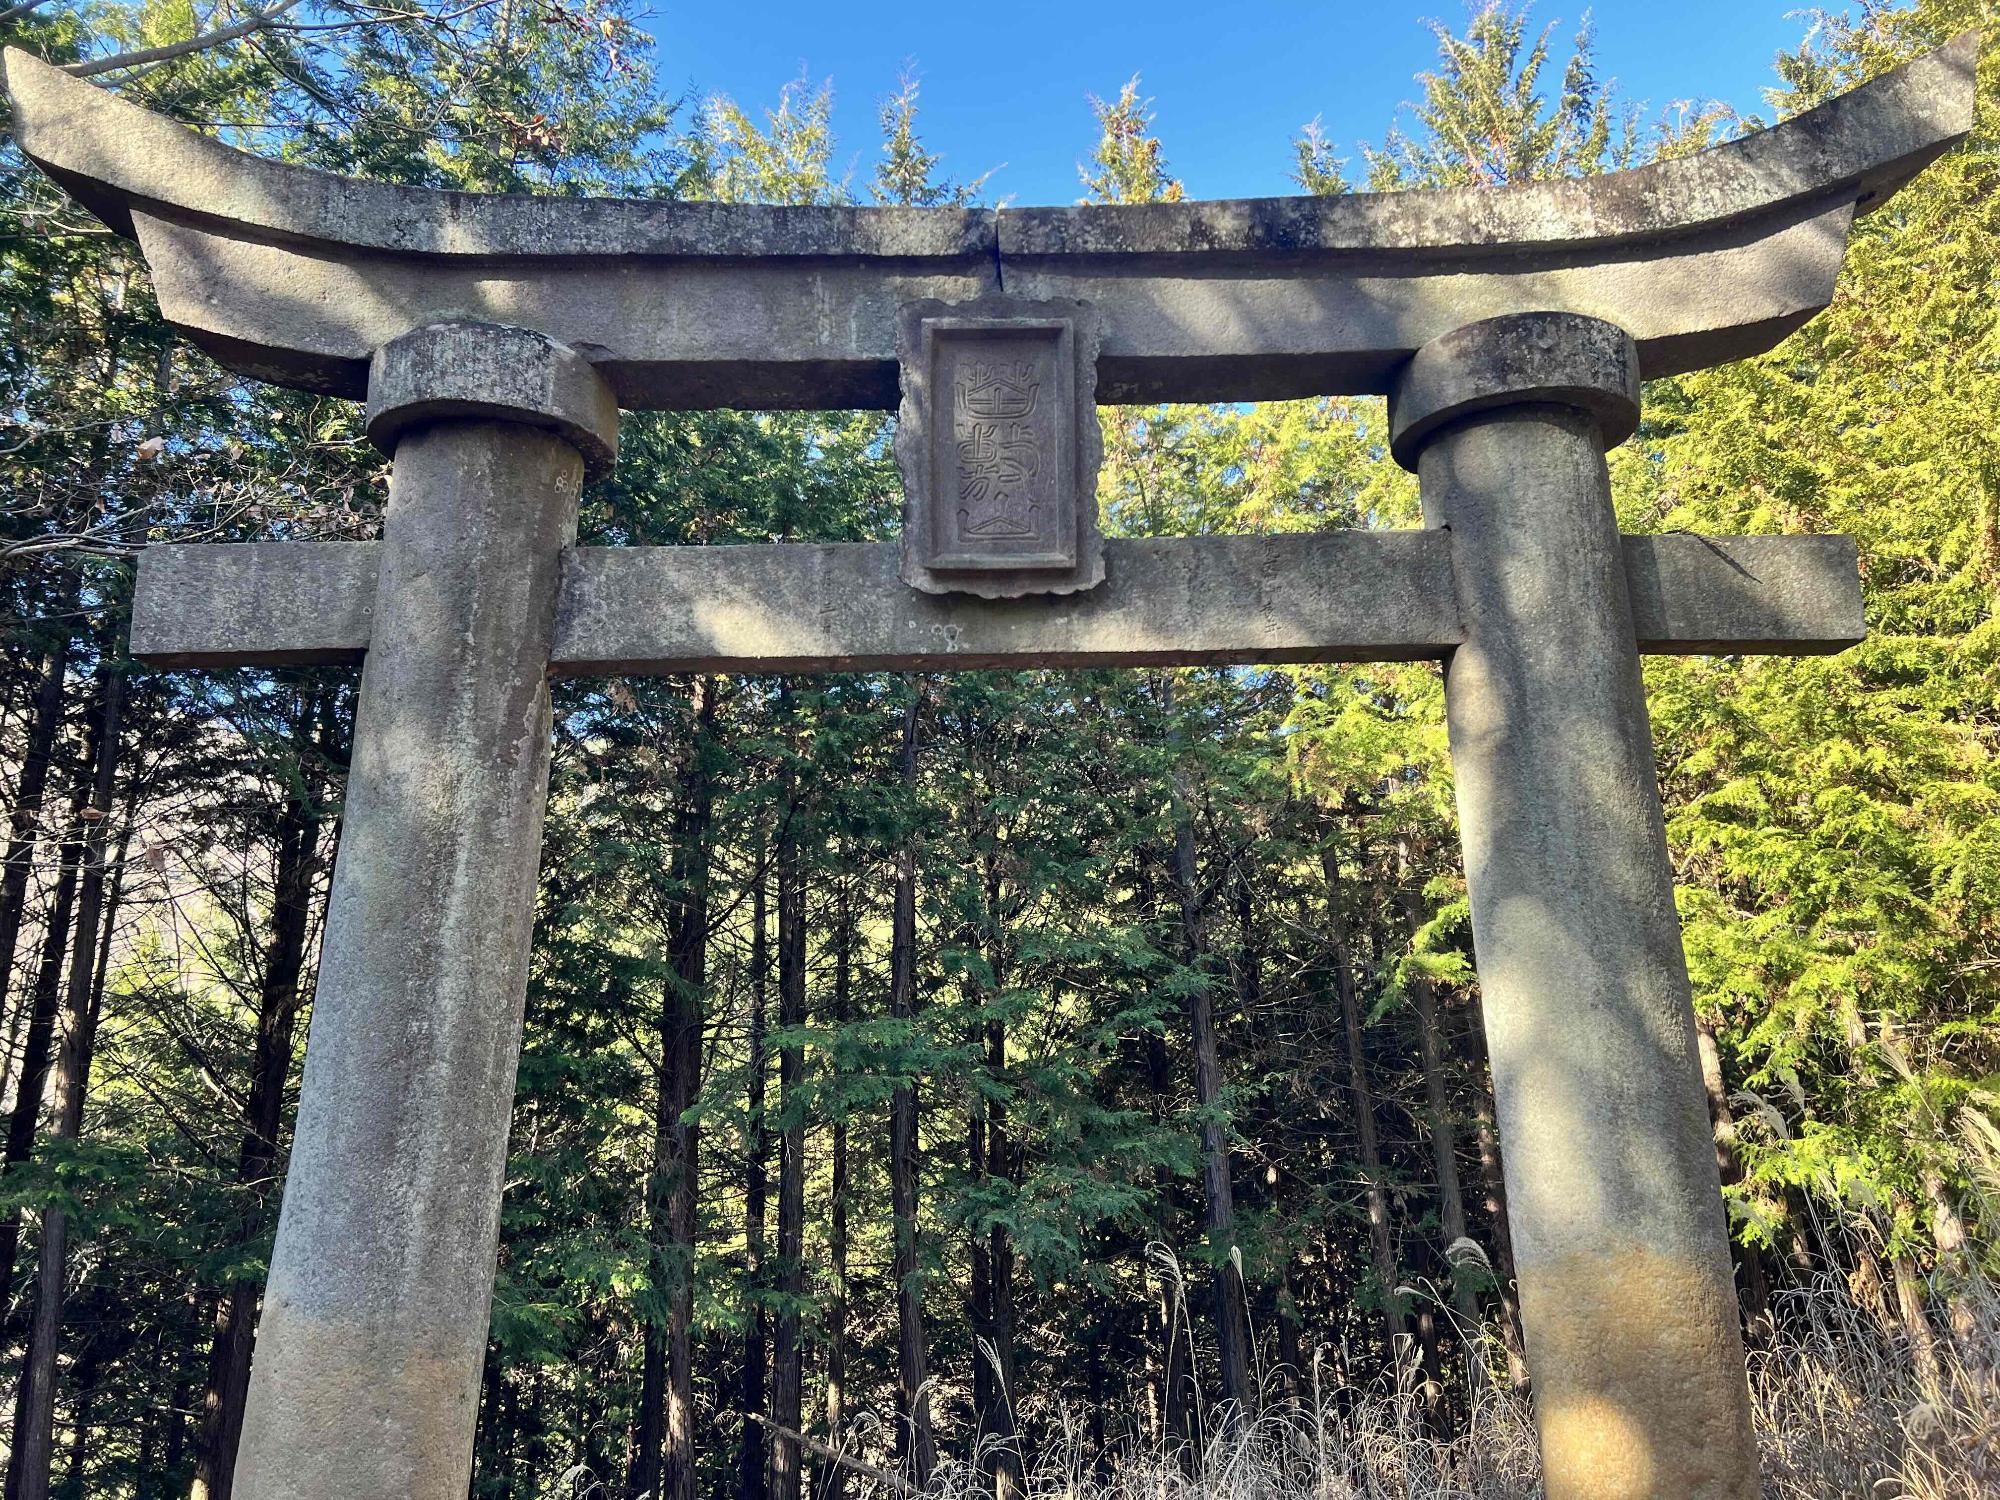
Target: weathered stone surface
x,y
1869,141
297,277
1514,360
1340,596
239,604
373,1331
998,444
1627,1300
684,334
453,370
1770,595
1345,596
1177,330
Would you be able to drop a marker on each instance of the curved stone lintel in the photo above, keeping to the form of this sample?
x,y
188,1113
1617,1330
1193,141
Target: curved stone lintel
x,y
297,276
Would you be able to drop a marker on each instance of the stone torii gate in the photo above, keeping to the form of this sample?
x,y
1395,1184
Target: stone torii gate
x,y
495,340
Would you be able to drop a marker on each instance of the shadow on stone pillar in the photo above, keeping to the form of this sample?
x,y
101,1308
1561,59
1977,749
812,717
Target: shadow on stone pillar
x,y
366,1374
1616,1212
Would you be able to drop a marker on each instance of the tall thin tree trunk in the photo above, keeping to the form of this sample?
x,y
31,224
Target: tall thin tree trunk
x,y
175,1447
663,1458
1100,1398
642,1477
33,1454
1291,1343
1166,1347
1218,1198
87,1379
1381,1240
280,996
1432,1362
753,1459
787,1345
1753,1282
998,1419
690,983
1003,1455
81,1431
149,1439
1494,1204
915,1444
24,818
979,1268
832,1481
1444,1142
31,1081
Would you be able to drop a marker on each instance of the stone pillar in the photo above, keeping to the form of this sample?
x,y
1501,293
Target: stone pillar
x,y
366,1377
1626,1292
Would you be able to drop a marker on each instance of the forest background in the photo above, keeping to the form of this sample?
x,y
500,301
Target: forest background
x,y
950,1072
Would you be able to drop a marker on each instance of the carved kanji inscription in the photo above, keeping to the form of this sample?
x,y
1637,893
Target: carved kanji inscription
x,y
1005,466
996,428
998,447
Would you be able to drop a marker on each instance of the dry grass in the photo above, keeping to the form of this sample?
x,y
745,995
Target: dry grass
x,y
1845,1410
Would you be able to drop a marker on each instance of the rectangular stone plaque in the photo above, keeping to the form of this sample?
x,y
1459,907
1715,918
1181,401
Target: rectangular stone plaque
x,y
998,446
1001,464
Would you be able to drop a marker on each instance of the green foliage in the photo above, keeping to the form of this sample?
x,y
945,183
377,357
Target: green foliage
x,y
1841,871
1487,117
1128,165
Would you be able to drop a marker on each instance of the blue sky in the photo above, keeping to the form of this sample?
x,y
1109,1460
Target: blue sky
x,y
1006,85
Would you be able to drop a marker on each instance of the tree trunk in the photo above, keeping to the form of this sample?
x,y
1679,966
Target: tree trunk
x,y
1001,1459
1226,1292
1753,1285
177,1426
1094,1385
642,1478
979,1268
85,1377
1432,1363
34,1412
1004,1456
24,818
149,1444
509,1408
1380,1238
1166,1335
832,1480
753,1459
279,999
1494,1204
31,1083
690,983
1864,1285
664,1453
1291,1343
787,1351
1444,1147
916,1446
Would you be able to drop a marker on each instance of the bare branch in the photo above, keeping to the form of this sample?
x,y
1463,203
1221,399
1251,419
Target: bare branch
x,y
206,41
